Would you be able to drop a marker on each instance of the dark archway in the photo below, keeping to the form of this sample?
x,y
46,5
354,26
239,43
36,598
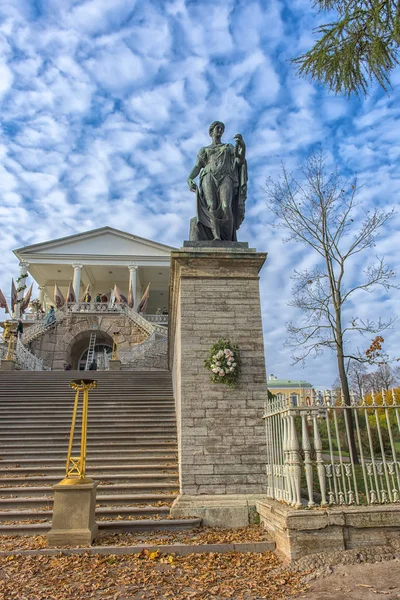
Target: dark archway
x,y
81,344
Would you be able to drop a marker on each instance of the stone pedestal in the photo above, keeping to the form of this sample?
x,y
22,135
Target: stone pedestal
x,y
114,365
8,365
214,293
73,515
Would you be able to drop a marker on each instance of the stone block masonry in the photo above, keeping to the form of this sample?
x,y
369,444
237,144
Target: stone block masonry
x,y
214,293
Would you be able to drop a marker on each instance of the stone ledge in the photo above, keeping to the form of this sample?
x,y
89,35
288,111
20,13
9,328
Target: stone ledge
x,y
179,549
309,531
217,245
230,511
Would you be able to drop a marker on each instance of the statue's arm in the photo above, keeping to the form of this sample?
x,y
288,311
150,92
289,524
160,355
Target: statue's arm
x,y
240,149
192,176
200,162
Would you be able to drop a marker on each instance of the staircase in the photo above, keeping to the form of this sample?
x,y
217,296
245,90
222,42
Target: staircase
x,y
131,448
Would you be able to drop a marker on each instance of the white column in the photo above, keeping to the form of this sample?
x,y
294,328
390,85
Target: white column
x,y
41,296
23,272
132,281
77,280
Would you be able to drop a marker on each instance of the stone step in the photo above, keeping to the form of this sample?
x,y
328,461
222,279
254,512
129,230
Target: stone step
x,y
62,421
91,437
104,477
132,447
41,415
106,430
111,526
112,488
92,471
110,512
46,502
30,463
92,444
95,454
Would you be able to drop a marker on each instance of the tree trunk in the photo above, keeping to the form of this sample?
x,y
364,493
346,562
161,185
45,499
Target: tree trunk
x,y
347,400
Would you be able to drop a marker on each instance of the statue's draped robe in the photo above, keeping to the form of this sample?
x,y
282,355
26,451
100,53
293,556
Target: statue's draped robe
x,y
221,194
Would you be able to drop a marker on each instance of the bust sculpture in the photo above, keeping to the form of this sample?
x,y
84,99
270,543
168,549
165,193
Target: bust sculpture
x,y
222,189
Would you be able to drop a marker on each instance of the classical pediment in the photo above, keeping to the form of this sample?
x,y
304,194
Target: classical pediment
x,y
105,241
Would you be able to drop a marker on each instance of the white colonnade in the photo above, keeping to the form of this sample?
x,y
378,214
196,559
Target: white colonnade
x,y
77,279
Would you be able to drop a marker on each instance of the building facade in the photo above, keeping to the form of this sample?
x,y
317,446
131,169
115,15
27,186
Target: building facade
x,y
299,392
94,262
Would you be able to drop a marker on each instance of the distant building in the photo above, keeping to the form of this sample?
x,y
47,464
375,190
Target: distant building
x,y
96,281
299,392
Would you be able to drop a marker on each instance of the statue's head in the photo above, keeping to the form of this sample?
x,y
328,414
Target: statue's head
x,y
213,125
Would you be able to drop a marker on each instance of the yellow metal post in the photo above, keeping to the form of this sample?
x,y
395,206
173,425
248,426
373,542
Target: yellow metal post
x,y
11,347
76,465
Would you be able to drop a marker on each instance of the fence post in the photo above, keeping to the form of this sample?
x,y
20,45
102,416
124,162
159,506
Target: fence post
x,y
294,460
319,459
307,458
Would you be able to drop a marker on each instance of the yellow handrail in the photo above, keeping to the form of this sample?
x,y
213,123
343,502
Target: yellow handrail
x,y
75,468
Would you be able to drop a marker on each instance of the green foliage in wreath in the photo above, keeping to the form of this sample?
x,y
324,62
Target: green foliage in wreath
x,y
224,362
21,277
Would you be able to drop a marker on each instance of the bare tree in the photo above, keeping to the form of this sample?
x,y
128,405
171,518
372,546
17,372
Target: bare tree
x,y
384,378
320,210
359,379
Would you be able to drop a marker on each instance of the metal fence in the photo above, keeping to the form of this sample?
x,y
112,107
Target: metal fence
x,y
328,453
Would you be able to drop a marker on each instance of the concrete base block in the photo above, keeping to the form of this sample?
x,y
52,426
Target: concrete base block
x,y
73,515
8,365
115,365
301,532
228,511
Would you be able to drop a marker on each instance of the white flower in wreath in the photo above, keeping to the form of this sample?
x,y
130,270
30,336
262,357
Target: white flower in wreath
x,y
234,364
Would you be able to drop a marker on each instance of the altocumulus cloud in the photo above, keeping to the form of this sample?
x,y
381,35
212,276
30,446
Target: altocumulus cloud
x,y
105,104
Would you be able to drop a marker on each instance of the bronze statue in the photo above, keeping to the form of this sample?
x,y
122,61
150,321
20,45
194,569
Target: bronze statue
x,y
222,189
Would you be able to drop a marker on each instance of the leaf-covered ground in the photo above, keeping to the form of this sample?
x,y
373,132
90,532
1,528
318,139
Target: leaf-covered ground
x,y
204,535
149,576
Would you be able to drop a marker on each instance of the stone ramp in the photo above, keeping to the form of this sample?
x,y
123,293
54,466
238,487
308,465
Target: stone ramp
x,y
131,448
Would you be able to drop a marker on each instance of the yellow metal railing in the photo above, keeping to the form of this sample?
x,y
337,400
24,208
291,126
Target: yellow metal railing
x,y
11,347
76,465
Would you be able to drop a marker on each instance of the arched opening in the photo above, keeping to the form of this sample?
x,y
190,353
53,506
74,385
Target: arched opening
x,y
79,348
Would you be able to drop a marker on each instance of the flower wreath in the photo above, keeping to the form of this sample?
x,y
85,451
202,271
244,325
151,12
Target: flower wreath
x,y
223,362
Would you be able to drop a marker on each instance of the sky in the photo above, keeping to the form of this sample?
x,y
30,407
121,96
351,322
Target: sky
x,y
105,104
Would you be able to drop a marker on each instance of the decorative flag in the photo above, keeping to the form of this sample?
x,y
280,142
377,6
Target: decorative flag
x,y
59,299
145,298
71,294
14,295
119,297
87,291
27,299
131,300
3,302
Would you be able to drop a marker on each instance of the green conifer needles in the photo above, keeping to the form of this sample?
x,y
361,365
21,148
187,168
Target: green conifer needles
x,y
360,47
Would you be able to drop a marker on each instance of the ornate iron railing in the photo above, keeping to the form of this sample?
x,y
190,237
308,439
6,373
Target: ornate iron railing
x,y
26,360
44,325
93,307
328,453
151,347
161,319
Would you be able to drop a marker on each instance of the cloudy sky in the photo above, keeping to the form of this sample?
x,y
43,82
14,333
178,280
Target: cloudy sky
x,y
105,103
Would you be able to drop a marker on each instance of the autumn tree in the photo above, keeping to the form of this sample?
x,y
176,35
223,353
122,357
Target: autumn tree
x,y
319,210
360,45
